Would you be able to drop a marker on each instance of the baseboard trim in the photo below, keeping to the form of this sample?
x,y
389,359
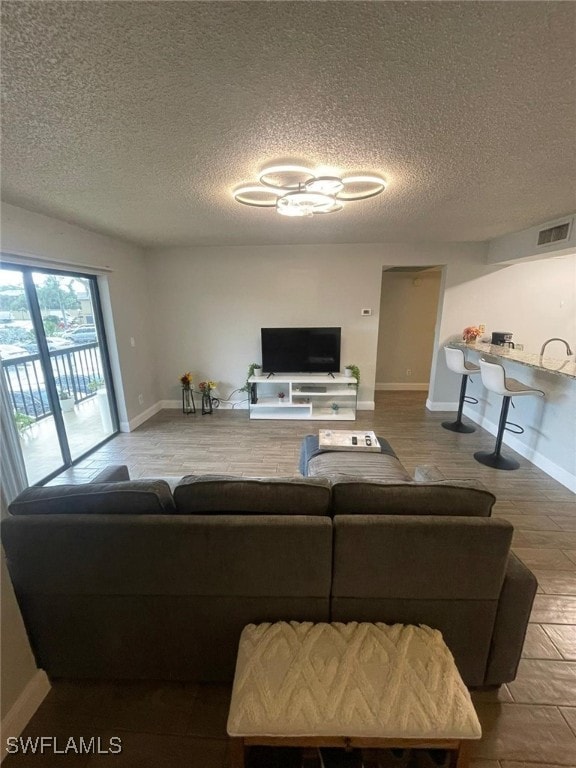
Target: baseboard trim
x,y
417,387
236,405
433,405
366,405
24,708
129,426
542,462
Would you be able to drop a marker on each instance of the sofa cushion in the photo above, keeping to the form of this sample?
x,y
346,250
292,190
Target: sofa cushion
x,y
132,497
356,496
222,494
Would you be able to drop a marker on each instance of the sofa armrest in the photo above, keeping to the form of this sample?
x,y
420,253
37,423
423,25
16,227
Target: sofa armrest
x,y
113,474
512,616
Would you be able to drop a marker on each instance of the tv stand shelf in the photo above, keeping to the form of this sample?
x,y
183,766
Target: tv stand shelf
x,y
306,396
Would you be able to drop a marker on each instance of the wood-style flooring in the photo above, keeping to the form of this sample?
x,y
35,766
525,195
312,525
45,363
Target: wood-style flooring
x,y
530,723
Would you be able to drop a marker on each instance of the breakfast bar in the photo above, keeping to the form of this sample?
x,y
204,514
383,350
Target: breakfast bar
x,y
553,365
549,438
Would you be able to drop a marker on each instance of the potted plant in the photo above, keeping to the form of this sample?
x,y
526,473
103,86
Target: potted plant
x,y
254,369
23,422
281,397
352,370
66,401
206,388
188,404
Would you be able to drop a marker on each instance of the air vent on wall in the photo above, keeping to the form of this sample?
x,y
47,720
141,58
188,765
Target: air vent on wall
x,y
554,234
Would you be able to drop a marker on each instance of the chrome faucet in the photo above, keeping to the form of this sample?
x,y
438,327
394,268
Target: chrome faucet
x,y
568,350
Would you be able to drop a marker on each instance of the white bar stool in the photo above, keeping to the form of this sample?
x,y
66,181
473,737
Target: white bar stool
x,y
456,362
495,380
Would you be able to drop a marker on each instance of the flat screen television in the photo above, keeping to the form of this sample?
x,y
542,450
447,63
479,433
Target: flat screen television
x,y
300,350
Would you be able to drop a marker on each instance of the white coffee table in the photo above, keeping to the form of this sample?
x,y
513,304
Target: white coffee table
x,y
341,440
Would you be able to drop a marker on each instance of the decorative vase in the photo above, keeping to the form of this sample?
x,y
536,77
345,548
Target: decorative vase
x,y
206,402
188,404
347,372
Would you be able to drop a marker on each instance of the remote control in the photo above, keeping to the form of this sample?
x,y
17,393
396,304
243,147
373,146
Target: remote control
x,y
354,440
368,441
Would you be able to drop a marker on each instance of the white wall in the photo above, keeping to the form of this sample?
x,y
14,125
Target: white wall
x,y
18,665
124,292
534,300
408,311
212,303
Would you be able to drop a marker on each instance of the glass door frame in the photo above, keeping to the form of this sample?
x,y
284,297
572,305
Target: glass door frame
x,y
29,286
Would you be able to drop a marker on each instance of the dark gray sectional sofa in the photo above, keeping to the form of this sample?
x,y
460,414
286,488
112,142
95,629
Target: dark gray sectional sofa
x,y
125,579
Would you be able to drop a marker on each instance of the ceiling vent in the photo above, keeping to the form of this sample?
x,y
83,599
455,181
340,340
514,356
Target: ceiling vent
x,y
556,234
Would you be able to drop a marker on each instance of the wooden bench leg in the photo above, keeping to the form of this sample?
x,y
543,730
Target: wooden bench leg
x,y
237,753
462,755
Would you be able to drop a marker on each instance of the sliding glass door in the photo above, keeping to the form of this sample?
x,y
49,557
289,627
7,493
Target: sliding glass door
x,y
55,366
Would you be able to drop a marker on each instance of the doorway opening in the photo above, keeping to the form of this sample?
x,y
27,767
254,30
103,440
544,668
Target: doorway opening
x,y
409,301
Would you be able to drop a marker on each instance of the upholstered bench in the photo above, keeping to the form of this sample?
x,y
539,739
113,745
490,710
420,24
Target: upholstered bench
x,y
321,462
349,685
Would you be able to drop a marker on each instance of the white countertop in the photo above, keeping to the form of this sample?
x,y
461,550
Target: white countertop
x,y
558,366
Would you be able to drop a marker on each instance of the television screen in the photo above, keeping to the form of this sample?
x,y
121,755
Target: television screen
x,y
300,350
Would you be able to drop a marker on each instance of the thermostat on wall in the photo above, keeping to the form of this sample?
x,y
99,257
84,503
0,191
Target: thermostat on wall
x,y
366,312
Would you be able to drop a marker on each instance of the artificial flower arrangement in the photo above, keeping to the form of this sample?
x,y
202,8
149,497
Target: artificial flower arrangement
x,y
471,333
186,380
206,386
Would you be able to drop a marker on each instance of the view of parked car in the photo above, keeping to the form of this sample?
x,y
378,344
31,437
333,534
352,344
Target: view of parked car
x,y
8,351
84,334
58,342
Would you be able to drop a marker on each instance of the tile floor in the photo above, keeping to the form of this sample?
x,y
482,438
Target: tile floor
x,y
529,723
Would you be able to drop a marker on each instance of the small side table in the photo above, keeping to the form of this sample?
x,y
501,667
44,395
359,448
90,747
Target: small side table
x,y
349,685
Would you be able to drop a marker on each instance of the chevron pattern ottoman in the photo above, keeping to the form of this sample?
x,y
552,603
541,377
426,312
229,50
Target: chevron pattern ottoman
x,y
302,684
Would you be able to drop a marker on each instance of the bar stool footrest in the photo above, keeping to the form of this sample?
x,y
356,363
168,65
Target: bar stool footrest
x,y
518,429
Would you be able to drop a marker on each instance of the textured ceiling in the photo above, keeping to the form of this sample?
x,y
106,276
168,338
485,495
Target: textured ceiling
x,y
138,118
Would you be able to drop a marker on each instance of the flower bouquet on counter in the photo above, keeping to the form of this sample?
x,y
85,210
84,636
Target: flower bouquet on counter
x,y
471,333
207,386
186,380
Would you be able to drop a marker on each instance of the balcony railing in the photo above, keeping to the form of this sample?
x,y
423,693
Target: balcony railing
x,y
76,370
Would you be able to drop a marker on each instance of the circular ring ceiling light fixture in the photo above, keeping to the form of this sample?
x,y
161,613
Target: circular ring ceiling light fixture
x,y
295,190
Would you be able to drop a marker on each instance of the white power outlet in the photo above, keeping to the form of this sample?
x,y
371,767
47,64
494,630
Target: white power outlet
x,y
141,399
482,328
408,371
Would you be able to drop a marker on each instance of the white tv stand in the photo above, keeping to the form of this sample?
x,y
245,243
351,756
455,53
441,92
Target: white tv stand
x,y
306,396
